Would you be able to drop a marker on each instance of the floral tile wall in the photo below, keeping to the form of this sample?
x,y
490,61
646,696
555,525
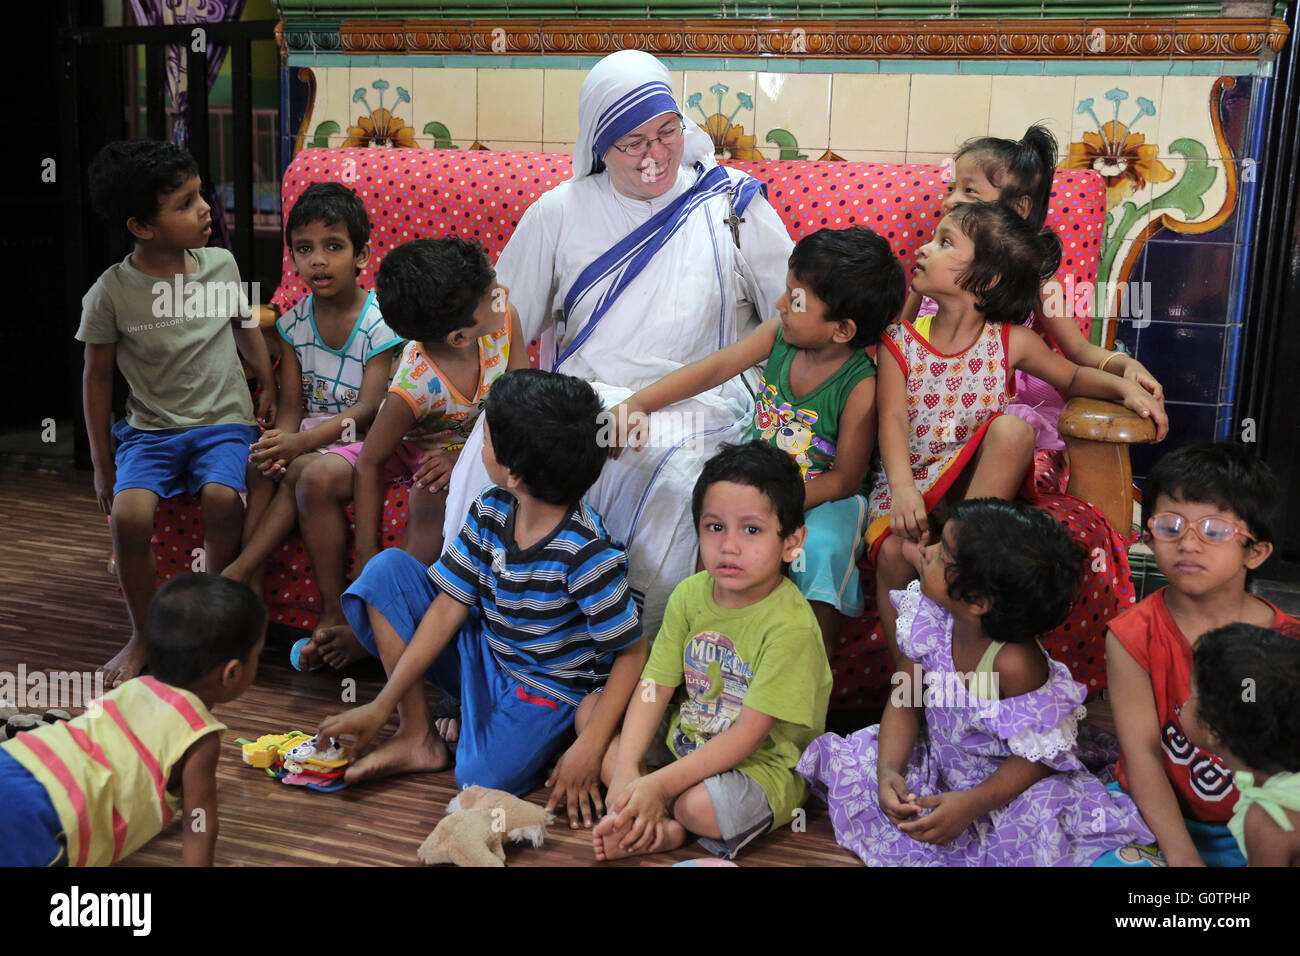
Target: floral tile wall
x,y
1174,141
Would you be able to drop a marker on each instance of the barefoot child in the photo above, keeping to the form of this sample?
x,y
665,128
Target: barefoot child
x,y
743,647
1211,510
332,379
973,762
1256,734
525,617
945,382
816,400
189,418
441,295
95,789
1017,174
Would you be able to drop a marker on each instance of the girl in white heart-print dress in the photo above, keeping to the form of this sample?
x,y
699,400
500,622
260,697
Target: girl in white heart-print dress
x,y
946,380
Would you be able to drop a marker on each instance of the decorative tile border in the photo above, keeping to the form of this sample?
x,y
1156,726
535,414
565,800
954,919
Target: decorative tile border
x,y
1084,40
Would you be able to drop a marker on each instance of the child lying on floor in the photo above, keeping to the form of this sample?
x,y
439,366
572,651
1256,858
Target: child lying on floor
x,y
95,789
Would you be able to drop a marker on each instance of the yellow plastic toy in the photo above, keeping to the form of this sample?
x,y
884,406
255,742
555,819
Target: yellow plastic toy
x,y
265,751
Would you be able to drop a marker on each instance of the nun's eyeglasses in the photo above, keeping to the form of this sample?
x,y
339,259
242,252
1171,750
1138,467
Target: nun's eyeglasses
x,y
639,146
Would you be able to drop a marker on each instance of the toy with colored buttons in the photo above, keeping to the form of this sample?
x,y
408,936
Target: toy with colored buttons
x,y
295,759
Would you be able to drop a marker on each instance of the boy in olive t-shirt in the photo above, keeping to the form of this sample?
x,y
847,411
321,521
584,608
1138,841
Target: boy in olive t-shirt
x,y
169,317
740,655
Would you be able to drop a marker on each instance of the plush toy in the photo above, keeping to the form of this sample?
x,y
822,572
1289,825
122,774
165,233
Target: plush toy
x,y
477,818
294,759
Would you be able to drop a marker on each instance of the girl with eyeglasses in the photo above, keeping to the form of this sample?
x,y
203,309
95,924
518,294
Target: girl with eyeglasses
x,y
1211,509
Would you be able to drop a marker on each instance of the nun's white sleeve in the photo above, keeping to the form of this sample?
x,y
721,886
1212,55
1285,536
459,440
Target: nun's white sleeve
x,y
527,267
765,247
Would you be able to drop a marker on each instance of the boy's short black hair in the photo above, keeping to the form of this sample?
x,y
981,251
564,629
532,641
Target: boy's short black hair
x,y
126,178
761,466
1222,473
198,622
1248,693
1010,263
330,203
429,288
546,429
1019,558
855,272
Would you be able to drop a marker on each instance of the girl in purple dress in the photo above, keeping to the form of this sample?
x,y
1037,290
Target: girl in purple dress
x,y
974,761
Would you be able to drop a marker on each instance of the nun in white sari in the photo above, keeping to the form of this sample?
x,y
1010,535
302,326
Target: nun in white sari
x,y
629,270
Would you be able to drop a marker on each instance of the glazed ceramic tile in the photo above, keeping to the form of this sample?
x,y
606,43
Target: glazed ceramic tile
x,y
869,111
944,111
378,106
1185,114
722,103
1116,111
445,104
1015,104
872,156
560,104
793,114
1187,359
510,105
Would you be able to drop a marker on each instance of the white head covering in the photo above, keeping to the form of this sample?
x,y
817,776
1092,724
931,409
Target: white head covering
x,y
623,91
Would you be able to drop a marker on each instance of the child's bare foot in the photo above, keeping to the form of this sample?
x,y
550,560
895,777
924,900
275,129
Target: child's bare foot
x,y
606,840
448,729
402,754
334,643
126,663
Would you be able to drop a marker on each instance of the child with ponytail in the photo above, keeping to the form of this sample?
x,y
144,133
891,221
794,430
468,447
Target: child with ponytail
x,y
946,381
1017,174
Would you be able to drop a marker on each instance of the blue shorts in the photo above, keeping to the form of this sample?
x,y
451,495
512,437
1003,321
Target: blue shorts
x,y
1213,841
508,731
182,460
30,831
828,571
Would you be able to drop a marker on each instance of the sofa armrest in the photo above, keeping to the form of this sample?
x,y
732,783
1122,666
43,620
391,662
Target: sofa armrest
x,y
1097,435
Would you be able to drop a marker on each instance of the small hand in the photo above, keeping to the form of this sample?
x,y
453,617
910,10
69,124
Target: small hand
x,y
950,814
434,470
266,405
907,517
362,722
1139,400
105,479
576,779
275,446
645,807
897,802
631,424
1136,372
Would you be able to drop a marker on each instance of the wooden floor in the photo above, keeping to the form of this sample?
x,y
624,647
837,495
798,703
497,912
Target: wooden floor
x,y
60,610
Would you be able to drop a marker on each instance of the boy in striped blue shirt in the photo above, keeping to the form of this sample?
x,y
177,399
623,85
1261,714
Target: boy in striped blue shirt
x,y
526,617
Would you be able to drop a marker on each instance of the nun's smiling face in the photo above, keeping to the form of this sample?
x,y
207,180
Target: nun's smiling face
x,y
647,172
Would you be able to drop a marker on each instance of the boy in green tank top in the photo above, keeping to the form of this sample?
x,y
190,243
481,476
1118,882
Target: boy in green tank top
x,y
816,400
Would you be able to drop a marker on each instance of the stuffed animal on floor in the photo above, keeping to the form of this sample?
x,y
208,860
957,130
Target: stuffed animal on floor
x,y
477,819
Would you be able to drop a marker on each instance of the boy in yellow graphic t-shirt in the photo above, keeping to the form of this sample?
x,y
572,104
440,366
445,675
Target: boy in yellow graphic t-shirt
x,y
740,654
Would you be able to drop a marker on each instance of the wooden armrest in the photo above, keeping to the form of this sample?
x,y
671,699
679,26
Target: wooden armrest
x,y
267,316
1097,435
1096,420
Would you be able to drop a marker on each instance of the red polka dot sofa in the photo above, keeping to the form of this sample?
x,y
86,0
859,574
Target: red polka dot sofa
x,y
415,193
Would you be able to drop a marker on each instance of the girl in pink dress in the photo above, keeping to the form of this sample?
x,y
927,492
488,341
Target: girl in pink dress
x,y
1018,174
945,382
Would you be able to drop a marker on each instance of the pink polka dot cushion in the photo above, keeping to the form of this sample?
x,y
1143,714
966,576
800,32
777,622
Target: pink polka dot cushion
x,y
419,193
